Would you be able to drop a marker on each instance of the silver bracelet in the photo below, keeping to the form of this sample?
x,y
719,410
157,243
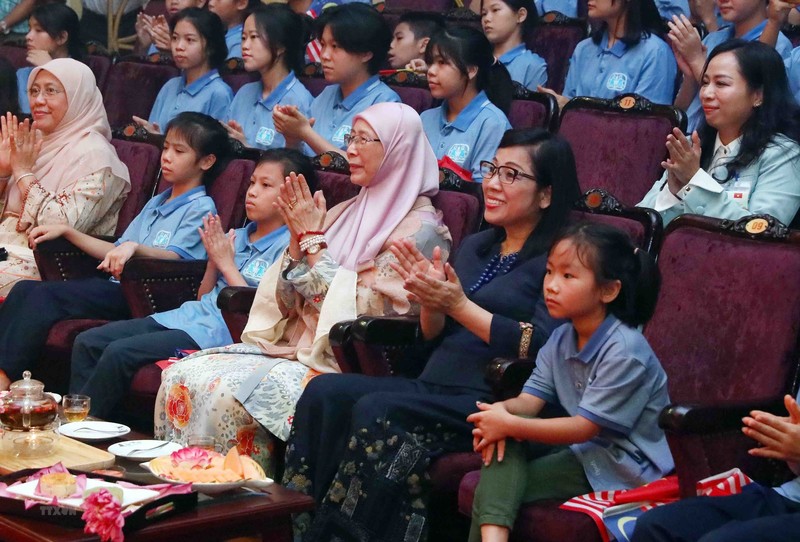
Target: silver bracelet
x,y
31,174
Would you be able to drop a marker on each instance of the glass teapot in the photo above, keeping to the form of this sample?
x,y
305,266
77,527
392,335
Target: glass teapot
x,y
26,406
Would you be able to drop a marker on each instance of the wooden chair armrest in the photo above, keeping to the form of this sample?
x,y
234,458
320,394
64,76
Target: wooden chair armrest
x,y
153,285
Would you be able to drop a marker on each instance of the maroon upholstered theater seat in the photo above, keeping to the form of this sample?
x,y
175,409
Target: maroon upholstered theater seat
x,y
100,66
15,54
619,144
234,74
312,79
533,109
132,87
143,161
554,39
412,89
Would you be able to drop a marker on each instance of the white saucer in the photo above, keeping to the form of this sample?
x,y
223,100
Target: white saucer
x,y
147,449
93,430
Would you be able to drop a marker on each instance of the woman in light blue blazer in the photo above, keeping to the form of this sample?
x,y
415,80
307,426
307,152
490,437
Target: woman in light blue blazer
x,y
746,158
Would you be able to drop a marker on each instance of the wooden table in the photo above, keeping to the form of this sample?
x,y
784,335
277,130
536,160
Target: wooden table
x,y
239,513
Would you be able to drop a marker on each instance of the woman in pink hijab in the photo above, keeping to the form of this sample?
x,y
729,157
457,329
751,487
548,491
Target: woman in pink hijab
x,y
59,169
336,268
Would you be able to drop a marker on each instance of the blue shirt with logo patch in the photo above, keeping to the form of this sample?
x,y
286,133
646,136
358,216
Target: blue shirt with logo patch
x,y
784,47
473,136
334,113
617,382
525,66
233,39
209,94
172,225
255,113
647,68
202,319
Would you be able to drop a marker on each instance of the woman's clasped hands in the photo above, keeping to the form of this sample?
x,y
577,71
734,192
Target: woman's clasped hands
x,y
431,283
301,211
683,161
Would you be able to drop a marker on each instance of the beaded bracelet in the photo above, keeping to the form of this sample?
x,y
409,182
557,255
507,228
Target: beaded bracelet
x,y
310,241
310,232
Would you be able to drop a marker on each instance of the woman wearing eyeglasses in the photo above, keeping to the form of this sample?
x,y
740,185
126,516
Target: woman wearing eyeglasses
x,y
360,445
60,169
337,267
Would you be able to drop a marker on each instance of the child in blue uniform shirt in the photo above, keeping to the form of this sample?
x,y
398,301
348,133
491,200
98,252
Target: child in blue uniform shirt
x,y
105,359
233,14
599,369
624,55
410,39
355,40
198,49
195,151
507,24
466,129
273,44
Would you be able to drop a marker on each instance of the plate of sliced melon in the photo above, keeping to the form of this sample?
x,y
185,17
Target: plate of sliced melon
x,y
208,471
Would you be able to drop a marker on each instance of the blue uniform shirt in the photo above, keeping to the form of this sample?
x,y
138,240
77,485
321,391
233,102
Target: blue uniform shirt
x,y
22,88
567,7
255,113
668,8
793,72
784,47
334,113
617,382
172,225
648,69
233,39
202,319
525,66
473,136
209,94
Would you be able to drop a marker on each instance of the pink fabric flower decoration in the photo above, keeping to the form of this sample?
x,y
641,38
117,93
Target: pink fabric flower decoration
x,y
196,457
103,516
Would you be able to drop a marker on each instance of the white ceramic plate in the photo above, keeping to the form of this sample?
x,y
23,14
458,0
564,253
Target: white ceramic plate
x,y
143,449
129,495
55,396
93,430
208,489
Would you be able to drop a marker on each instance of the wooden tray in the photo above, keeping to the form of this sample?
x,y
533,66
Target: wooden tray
x,y
71,453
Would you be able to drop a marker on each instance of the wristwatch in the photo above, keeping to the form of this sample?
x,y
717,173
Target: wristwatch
x,y
313,249
4,27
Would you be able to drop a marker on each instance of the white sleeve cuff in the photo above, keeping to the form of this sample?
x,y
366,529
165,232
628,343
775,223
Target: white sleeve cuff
x,y
703,180
665,199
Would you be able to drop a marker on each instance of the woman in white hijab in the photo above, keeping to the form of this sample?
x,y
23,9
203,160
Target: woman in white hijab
x,y
59,169
337,267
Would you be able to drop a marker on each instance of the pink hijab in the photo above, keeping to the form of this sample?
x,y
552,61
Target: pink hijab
x,y
409,170
80,144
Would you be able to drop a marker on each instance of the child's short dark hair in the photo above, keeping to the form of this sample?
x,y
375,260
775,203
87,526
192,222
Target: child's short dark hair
x,y
292,160
358,28
611,255
205,135
423,24
210,28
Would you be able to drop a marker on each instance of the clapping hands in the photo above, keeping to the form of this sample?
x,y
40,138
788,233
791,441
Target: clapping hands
x,y
433,284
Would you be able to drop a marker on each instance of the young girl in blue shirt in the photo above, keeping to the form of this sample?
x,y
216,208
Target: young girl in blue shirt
x,y
466,129
598,368
272,44
355,42
507,23
198,49
623,55
196,150
104,359
54,33
232,13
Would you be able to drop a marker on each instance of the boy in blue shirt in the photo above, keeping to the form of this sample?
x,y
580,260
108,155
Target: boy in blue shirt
x,y
195,152
104,359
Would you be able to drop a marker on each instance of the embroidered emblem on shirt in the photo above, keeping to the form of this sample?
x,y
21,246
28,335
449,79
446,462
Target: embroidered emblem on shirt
x,y
343,130
265,136
617,81
255,269
458,153
162,239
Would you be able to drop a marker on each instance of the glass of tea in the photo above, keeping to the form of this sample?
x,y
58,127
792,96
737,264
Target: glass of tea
x,y
76,407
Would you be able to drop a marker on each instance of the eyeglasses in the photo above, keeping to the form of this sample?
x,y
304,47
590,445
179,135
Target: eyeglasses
x,y
48,92
506,174
357,140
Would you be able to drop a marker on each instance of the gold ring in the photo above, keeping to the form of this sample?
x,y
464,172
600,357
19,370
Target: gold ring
x,y
292,204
